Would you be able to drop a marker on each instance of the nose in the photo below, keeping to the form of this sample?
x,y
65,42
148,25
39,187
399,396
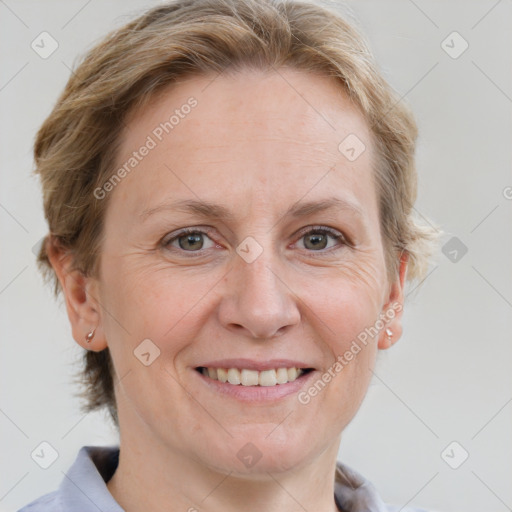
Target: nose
x,y
257,301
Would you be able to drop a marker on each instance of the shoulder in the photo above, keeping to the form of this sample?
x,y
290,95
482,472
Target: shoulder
x,y
396,508
47,503
354,493
92,468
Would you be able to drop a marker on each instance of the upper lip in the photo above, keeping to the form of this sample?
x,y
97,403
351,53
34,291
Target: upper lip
x,y
251,364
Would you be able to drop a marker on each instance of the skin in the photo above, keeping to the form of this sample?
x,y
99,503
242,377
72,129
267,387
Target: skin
x,y
257,143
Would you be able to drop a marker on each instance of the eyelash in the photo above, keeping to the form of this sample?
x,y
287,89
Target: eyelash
x,y
166,242
324,230
336,235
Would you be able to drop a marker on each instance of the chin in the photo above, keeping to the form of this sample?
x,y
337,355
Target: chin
x,y
259,453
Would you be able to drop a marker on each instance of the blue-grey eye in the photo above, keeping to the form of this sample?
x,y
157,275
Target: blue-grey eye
x,y
191,241
319,239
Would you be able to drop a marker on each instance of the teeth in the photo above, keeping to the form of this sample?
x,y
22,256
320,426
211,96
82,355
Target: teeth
x,y
292,374
234,376
247,377
282,375
268,378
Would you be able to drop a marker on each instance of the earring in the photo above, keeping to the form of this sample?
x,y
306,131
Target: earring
x,y
90,336
389,334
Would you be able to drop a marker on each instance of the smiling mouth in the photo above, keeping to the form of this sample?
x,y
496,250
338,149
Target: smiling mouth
x,y
245,377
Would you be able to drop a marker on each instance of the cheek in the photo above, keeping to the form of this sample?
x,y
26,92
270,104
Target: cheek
x,y
352,342
345,320
351,314
347,305
346,300
155,302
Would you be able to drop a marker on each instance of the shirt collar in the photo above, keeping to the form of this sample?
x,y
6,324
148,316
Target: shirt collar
x,y
84,485
353,493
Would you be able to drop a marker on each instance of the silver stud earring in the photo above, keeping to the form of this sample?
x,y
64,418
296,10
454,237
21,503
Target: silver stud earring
x,y
90,336
389,334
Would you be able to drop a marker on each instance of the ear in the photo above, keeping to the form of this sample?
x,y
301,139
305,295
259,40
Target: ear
x,y
80,293
394,308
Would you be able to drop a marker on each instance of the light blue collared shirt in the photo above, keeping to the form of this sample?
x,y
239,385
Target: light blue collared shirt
x,y
84,487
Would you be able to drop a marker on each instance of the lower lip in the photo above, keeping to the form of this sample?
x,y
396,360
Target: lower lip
x,y
262,394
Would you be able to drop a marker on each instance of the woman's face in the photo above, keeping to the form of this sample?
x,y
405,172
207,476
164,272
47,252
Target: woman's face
x,y
282,267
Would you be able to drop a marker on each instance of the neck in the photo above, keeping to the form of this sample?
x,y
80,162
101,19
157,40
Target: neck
x,y
155,478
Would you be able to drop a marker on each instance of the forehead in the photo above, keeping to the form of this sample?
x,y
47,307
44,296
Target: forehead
x,y
280,132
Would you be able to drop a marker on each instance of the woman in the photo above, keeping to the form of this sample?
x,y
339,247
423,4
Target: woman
x,y
229,187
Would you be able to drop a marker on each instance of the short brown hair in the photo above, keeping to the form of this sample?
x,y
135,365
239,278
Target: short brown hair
x,y
75,149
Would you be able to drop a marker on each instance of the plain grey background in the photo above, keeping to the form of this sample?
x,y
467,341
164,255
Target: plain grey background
x,y
448,379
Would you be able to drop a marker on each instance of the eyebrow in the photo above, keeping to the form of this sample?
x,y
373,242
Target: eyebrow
x,y
201,208
207,209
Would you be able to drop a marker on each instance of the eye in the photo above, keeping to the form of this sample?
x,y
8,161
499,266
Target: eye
x,y
190,240
321,238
